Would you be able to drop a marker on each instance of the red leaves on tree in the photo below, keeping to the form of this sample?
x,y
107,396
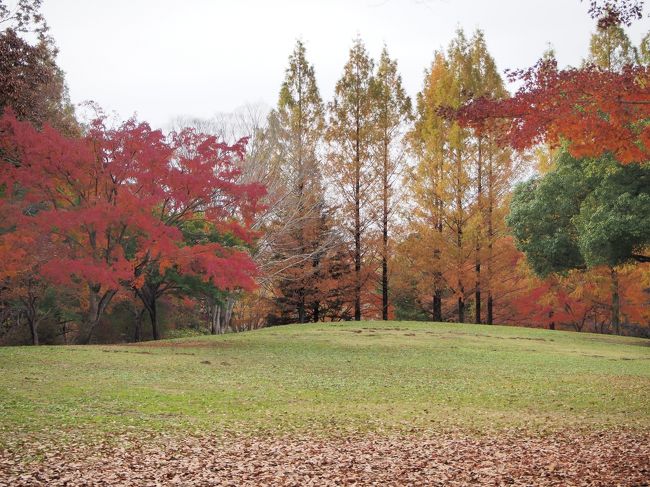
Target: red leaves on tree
x,y
593,110
119,197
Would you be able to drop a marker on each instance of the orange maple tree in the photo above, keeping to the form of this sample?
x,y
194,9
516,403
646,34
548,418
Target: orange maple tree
x,y
591,109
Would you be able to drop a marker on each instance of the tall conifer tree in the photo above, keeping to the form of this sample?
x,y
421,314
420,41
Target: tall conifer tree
x,y
392,110
299,122
486,82
428,142
350,135
610,48
455,169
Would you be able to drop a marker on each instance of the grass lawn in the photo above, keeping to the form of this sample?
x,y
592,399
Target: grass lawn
x,y
324,379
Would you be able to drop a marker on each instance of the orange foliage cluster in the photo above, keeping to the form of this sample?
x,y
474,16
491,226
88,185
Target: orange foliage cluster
x,y
592,109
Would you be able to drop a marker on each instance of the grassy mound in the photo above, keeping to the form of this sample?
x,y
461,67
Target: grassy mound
x,y
329,379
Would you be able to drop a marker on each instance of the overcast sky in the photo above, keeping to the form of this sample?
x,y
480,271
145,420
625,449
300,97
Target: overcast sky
x,y
164,58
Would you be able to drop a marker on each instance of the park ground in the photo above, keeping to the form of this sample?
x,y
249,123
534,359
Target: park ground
x,y
331,404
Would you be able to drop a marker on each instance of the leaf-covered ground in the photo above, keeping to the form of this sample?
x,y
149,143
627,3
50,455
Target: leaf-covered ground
x,y
603,459
368,402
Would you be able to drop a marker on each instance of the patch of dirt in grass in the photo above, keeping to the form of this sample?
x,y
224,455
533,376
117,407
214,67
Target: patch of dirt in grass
x,y
587,459
184,344
613,339
126,351
484,335
383,329
537,339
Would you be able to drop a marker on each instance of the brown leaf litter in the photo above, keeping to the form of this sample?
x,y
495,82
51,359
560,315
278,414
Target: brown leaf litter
x,y
579,459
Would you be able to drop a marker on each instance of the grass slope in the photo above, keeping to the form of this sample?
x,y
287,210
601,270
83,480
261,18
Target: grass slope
x,y
331,378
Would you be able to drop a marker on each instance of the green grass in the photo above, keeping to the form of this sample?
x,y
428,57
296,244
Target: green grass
x,y
331,378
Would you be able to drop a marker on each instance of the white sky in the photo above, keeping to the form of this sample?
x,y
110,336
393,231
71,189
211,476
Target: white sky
x,y
164,58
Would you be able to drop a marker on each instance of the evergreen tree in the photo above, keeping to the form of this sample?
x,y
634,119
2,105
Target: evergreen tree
x,y
585,213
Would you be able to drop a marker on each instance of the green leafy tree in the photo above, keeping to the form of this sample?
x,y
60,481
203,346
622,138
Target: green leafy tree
x,y
585,213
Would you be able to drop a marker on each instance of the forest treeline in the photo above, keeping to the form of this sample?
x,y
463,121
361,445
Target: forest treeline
x,y
371,205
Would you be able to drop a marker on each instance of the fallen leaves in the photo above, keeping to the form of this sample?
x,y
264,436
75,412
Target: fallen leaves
x,y
580,459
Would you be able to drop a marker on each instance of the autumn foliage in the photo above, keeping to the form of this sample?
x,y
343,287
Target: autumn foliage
x,y
117,200
592,110
370,209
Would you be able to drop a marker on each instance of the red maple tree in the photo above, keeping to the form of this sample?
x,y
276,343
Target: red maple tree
x,y
116,198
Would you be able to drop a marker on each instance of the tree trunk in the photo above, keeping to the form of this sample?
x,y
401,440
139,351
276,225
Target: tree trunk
x,y
301,306
219,320
31,313
214,310
357,222
96,306
580,326
357,274
302,213
461,288
33,328
230,304
460,224
357,259
148,294
490,316
92,319
153,317
139,318
477,291
490,239
384,289
616,320
437,305
437,279
477,263
384,256
34,332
